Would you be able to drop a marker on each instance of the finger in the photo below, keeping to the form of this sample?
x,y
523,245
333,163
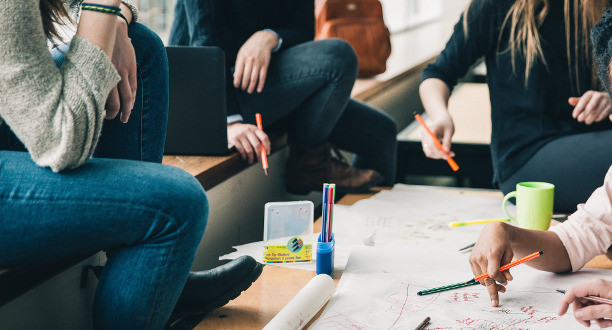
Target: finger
x,y
238,70
240,148
579,109
246,75
506,259
577,306
593,109
594,312
134,86
493,263
253,78
492,288
507,275
603,323
265,140
263,73
255,144
125,94
446,141
248,149
429,148
573,101
112,104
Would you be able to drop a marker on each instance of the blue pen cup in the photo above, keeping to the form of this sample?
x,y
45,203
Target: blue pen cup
x,y
325,256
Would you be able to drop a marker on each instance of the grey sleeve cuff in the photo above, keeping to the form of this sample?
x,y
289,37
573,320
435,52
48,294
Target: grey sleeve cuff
x,y
133,8
280,40
234,119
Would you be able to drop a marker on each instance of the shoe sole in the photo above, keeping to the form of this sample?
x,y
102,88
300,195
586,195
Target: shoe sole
x,y
190,321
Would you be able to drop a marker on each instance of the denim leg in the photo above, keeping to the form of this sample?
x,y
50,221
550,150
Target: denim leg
x,y
372,135
312,83
148,217
144,135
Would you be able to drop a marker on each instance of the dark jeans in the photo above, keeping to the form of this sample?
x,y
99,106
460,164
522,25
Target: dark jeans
x,y
575,164
311,84
148,217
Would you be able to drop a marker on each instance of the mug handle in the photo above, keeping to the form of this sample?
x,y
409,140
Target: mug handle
x,y
506,198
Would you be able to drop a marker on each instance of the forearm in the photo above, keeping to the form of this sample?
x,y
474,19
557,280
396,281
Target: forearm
x,y
434,96
525,241
99,28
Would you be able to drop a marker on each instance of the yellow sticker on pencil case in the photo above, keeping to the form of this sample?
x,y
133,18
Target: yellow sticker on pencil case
x,y
294,251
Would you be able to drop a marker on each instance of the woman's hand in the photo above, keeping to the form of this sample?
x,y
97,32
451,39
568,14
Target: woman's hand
x,y
591,107
586,311
444,129
492,250
123,96
253,60
248,140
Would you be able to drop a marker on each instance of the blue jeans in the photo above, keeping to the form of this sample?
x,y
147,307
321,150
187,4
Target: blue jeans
x,y
309,87
148,217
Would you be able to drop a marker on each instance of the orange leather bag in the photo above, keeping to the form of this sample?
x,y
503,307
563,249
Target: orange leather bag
x,y
361,24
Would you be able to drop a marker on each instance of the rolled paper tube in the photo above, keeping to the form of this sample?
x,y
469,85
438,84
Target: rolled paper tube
x,y
305,305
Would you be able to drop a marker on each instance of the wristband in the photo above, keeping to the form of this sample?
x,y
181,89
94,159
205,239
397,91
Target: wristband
x,y
101,8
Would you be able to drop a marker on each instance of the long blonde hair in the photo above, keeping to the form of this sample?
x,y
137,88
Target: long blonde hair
x,y
526,17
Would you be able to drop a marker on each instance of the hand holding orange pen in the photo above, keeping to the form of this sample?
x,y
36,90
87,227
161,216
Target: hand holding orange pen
x,y
264,156
437,143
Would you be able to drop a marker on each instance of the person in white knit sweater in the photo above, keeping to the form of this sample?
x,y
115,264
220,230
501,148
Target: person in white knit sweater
x,y
58,202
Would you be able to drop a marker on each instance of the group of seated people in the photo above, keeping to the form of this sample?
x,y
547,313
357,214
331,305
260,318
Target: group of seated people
x,y
82,130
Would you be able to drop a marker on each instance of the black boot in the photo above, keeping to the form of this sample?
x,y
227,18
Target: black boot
x,y
208,290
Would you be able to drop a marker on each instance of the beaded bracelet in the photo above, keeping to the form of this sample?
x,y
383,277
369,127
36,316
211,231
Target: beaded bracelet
x,y
101,8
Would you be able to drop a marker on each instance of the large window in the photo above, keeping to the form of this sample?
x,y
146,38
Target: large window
x,y
157,15
401,15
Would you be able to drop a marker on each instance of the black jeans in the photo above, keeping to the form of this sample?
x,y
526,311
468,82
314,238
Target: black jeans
x,y
310,84
575,164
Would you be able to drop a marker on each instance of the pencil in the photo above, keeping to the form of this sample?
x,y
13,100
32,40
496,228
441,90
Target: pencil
x,y
474,222
467,247
446,288
508,266
593,298
437,143
264,156
423,324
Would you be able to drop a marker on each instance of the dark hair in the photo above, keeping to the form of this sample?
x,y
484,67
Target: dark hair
x,y
53,12
601,36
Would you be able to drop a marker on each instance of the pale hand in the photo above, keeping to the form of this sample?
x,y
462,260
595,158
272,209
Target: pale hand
x,y
123,96
586,311
591,107
253,60
443,128
492,250
248,140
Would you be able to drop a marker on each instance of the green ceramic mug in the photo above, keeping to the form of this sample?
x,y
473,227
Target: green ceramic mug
x,y
534,204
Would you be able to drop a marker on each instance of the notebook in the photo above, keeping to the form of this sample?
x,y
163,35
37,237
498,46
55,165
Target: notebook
x,y
197,123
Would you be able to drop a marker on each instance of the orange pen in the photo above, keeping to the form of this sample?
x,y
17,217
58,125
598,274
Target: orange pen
x,y
264,156
508,266
437,143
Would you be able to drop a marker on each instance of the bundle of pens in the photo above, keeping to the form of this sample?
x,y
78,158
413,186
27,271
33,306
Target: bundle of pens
x,y
329,194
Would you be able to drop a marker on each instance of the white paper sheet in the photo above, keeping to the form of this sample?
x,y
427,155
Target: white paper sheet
x,y
378,291
416,216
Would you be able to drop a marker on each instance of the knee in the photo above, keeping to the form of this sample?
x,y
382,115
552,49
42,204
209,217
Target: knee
x,y
147,45
182,197
340,54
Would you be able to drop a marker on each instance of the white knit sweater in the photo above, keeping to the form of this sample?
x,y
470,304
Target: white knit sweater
x,y
56,113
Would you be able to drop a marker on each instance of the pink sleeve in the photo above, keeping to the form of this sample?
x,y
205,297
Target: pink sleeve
x,y
588,232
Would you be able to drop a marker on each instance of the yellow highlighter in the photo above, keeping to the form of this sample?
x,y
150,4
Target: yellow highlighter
x,y
474,222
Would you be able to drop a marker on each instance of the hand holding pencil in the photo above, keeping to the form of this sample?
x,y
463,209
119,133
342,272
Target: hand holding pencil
x,y
591,301
432,147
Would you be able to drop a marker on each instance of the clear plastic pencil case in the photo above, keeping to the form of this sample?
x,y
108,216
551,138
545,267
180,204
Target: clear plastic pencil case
x,y
288,232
